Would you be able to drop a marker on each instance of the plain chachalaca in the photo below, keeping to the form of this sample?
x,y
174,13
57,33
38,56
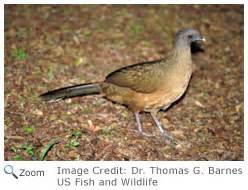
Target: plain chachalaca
x,y
144,87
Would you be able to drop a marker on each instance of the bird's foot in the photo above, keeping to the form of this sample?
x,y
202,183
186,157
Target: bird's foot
x,y
169,139
163,132
167,136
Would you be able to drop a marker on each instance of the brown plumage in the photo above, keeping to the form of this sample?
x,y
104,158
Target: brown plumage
x,y
148,86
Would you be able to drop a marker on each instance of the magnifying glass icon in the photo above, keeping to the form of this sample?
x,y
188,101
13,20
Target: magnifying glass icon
x,y
8,169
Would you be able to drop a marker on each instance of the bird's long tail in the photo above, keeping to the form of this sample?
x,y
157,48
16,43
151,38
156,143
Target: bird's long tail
x,y
71,91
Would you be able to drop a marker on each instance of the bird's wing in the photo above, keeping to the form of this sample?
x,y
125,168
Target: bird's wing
x,y
140,77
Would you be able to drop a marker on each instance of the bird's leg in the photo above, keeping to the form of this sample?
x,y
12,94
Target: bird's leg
x,y
163,132
138,123
136,114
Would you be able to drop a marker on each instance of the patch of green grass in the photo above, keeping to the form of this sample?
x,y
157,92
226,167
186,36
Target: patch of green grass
x,y
50,74
17,158
74,143
76,133
137,28
13,149
16,150
28,129
29,150
48,147
19,54
73,139
87,33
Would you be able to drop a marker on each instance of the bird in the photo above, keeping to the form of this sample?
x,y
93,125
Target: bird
x,y
143,87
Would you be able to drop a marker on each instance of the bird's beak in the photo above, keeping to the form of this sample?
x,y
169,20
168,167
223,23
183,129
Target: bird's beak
x,y
198,38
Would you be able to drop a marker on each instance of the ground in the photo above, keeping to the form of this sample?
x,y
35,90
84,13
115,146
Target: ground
x,y
48,46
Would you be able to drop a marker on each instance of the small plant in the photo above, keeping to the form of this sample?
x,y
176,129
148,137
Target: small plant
x,y
29,150
13,149
137,28
19,54
73,139
76,133
50,74
74,143
17,157
48,147
87,33
28,129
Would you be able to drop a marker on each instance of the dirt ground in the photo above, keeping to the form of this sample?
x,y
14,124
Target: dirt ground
x,y
48,46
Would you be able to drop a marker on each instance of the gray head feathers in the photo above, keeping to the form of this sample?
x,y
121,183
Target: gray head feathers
x,y
187,36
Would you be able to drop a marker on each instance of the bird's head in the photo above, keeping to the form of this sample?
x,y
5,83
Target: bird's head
x,y
188,36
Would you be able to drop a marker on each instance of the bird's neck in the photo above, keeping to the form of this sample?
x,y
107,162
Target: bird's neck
x,y
181,43
182,52
181,55
181,63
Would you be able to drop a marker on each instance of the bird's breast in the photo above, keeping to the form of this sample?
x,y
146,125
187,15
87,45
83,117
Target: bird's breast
x,y
172,88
